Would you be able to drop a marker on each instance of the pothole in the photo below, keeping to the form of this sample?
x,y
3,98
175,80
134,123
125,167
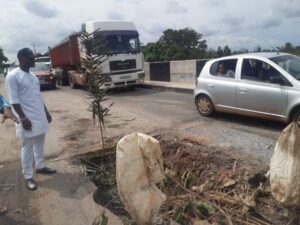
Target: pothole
x,y
101,168
204,184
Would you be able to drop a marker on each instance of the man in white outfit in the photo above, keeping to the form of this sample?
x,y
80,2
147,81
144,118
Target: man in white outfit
x,y
24,95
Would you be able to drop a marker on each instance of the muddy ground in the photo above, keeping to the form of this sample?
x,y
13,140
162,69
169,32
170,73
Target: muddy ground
x,y
204,185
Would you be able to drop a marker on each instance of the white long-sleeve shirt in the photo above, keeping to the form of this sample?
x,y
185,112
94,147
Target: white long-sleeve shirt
x,y
24,88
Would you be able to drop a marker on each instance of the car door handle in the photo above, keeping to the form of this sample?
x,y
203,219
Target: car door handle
x,y
243,90
210,85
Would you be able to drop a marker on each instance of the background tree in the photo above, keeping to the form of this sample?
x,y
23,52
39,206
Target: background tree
x,y
220,52
288,48
226,50
3,58
176,45
258,49
297,50
186,43
152,52
211,53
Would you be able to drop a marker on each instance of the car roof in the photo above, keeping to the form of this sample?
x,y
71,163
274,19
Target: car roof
x,y
267,55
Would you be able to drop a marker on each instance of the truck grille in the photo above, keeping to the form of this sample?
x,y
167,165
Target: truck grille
x,y
122,65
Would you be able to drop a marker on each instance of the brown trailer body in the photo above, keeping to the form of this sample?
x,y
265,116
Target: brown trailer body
x,y
66,54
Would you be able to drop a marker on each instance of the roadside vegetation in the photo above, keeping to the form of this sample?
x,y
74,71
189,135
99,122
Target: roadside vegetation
x,y
184,44
3,59
95,79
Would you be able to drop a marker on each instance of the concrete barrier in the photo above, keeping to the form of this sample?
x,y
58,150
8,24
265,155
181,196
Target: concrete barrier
x,y
183,71
147,71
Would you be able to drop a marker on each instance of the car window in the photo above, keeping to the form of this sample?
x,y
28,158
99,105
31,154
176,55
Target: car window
x,y
224,68
289,63
257,70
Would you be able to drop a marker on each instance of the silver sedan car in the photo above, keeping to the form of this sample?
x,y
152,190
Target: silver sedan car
x,y
265,85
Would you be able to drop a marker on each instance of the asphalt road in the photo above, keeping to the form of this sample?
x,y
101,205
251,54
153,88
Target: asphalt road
x,y
141,110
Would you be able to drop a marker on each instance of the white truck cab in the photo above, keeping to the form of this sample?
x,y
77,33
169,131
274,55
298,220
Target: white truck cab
x,y
124,63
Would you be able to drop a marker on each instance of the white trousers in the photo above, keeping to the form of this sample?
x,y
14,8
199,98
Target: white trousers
x,y
32,148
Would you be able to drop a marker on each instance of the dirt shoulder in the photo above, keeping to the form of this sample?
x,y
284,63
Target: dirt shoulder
x,y
61,199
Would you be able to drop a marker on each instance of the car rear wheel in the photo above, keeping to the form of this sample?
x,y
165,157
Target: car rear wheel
x,y
204,105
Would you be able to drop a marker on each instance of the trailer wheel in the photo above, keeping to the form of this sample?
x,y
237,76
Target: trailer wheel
x,y
72,83
58,81
64,78
65,82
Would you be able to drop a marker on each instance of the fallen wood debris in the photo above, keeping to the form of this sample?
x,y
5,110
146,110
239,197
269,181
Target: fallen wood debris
x,y
204,185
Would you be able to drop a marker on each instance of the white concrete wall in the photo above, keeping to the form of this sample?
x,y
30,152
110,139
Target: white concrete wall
x,y
147,71
183,71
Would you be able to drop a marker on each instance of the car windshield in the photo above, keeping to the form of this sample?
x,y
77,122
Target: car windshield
x,y
289,63
39,67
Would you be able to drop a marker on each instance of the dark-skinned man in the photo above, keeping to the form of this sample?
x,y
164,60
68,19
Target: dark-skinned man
x,y
23,89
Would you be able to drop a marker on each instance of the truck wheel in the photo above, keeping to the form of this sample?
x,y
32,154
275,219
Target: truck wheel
x,y
64,78
65,81
204,105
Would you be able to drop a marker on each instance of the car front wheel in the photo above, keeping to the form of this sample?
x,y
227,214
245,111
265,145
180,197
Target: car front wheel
x,y
204,105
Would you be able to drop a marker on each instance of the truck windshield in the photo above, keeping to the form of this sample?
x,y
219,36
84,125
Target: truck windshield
x,y
289,63
122,44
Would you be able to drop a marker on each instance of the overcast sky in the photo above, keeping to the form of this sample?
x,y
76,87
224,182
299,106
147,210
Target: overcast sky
x,y
239,24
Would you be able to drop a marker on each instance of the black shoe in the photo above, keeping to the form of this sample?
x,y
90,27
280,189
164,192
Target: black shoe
x,y
46,170
31,184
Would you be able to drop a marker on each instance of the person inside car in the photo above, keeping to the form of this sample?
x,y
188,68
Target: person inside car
x,y
223,72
